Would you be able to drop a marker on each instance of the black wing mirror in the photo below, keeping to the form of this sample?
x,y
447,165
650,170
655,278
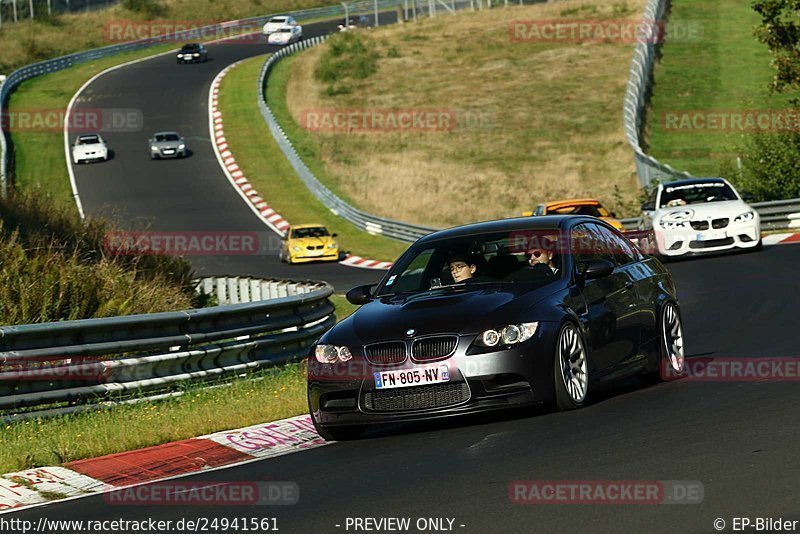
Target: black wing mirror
x,y
593,269
334,235
359,295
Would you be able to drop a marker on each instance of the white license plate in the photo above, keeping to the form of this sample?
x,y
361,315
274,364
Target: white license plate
x,y
417,376
710,236
169,151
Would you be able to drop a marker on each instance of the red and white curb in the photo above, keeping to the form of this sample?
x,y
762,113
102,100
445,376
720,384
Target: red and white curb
x,y
243,186
36,487
780,239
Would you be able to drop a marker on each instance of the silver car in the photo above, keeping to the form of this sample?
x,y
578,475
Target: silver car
x,y
167,145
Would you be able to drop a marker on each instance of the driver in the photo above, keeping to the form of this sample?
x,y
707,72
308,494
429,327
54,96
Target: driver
x,y
463,267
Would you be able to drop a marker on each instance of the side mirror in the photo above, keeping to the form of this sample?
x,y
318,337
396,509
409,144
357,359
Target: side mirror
x,y
648,206
593,269
748,197
613,214
334,235
359,295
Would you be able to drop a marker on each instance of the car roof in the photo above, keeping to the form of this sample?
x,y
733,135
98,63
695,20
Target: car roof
x,y
166,133
573,202
87,136
299,226
192,45
692,181
544,222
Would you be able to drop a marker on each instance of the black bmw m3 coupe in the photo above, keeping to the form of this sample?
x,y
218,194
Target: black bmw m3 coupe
x,y
496,315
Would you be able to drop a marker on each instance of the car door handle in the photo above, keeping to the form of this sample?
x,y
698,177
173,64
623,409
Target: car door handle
x,y
628,285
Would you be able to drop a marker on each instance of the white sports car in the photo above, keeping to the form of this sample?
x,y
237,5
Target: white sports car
x,y
276,23
285,36
698,216
89,147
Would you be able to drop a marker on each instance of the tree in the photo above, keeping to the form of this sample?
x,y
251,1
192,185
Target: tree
x,y
780,31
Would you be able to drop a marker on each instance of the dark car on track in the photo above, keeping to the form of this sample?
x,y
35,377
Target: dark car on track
x,y
192,53
516,333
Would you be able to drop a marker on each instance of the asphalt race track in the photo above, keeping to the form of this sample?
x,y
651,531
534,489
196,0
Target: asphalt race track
x,y
740,439
191,194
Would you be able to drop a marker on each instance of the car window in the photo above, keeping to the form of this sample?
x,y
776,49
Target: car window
x,y
621,248
698,193
88,140
301,233
410,278
277,20
588,243
166,137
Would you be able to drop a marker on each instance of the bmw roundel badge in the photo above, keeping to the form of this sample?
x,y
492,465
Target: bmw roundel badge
x,y
410,332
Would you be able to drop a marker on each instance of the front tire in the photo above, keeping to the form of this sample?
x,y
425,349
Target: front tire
x,y
570,369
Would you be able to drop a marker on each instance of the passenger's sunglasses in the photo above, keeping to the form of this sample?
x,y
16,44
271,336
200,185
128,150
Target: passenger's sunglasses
x,y
535,254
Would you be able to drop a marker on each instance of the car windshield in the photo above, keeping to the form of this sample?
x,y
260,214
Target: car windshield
x,y
593,210
88,140
160,138
317,231
700,193
476,261
190,48
277,20
284,30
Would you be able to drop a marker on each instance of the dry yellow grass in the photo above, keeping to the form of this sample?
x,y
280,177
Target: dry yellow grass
x,y
535,121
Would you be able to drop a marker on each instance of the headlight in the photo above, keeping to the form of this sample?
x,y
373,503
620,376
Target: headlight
x,y
332,354
673,225
154,148
507,335
196,55
181,147
745,217
180,55
331,245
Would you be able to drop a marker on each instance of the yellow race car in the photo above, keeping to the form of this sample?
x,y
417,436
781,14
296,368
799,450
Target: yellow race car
x,y
580,206
308,242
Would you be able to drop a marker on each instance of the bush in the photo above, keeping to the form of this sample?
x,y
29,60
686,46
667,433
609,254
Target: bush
x,y
148,8
55,268
349,56
769,166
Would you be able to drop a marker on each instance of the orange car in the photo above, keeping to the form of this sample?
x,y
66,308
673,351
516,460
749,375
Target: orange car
x,y
579,206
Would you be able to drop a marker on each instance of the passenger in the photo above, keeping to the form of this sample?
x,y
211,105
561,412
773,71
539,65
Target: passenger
x,y
542,255
464,267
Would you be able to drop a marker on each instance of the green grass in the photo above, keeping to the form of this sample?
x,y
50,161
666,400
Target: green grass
x,y
263,163
267,395
726,69
39,156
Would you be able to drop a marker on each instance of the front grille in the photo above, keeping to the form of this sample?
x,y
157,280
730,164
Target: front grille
x,y
386,353
433,348
711,243
700,225
417,398
719,223
314,247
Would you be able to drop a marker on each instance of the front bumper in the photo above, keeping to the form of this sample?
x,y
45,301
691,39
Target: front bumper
x,y
189,59
680,242
344,394
302,257
161,154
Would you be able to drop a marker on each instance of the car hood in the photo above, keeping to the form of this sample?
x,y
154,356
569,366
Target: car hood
x,y
462,311
85,149
710,210
307,241
166,144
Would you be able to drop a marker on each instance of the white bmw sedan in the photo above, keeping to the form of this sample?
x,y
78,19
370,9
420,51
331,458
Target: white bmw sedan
x,y
700,215
89,147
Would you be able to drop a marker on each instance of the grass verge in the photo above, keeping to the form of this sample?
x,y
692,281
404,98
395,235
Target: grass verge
x,y
723,68
263,163
265,396
533,120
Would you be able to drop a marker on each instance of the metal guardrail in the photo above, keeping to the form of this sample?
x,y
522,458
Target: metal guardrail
x,y
62,366
648,169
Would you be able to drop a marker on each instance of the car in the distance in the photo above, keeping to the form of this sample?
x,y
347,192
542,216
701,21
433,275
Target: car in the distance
x,y
192,53
577,206
700,215
518,333
277,22
285,36
167,145
89,147
308,242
